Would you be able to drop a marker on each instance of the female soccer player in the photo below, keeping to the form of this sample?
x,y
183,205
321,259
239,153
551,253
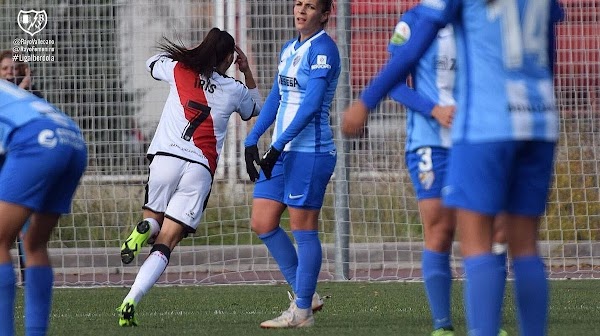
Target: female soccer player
x,y
430,111
42,158
185,149
297,167
504,136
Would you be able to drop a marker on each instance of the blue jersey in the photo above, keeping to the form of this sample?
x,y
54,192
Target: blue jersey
x,y
19,107
433,80
505,89
301,96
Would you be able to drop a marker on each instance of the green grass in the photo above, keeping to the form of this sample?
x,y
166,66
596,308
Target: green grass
x,y
354,308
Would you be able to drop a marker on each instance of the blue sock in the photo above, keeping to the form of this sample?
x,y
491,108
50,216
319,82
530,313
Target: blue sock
x,y
309,265
38,299
7,299
531,287
283,251
484,294
438,279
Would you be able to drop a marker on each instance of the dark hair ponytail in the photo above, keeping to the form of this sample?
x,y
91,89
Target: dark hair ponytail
x,y
216,46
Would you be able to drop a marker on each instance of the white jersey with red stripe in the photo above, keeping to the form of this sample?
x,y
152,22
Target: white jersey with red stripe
x,y
194,120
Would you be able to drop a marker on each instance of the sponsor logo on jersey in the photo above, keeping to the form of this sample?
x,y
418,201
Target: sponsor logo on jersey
x,y
321,63
47,138
401,33
288,81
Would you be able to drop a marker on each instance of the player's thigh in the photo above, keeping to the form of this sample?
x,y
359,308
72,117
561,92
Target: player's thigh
x,y
528,193
427,167
266,215
12,219
164,177
479,176
40,229
190,198
306,176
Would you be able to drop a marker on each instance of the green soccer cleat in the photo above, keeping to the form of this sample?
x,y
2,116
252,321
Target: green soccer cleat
x,y
127,314
137,239
443,332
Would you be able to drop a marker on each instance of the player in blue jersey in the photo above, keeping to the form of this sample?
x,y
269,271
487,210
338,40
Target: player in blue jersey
x,y
42,158
504,135
296,169
430,110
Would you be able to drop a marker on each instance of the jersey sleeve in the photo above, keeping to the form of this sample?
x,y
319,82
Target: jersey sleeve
x,y
266,117
324,60
161,67
250,103
412,99
421,31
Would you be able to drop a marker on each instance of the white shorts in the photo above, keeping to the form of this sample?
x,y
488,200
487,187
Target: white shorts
x,y
178,188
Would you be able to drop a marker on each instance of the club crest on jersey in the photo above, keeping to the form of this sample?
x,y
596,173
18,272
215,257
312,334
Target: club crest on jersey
x,y
401,33
426,179
32,21
296,60
321,63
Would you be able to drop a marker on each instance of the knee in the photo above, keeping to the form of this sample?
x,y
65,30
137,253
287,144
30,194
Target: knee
x,y
261,227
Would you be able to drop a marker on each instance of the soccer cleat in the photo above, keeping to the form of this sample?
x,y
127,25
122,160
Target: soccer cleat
x,y
291,318
137,239
127,314
443,332
316,304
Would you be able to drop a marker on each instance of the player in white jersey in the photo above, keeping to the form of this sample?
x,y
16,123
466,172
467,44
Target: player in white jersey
x,y
504,136
42,158
185,149
430,110
296,169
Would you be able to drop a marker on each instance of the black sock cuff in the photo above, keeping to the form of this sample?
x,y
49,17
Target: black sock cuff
x,y
162,248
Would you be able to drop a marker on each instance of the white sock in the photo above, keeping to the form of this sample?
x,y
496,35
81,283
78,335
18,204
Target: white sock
x,y
153,267
154,226
498,248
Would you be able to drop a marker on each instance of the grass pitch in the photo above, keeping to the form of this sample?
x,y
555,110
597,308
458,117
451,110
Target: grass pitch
x,y
352,308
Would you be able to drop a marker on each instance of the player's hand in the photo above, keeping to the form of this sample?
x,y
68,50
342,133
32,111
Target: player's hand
x,y
268,161
444,114
354,119
241,60
251,156
26,82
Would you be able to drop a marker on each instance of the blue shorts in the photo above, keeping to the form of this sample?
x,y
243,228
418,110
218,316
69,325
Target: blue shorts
x,y
298,180
43,165
427,167
510,176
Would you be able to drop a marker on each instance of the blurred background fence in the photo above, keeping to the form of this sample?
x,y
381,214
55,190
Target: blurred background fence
x,y
370,222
